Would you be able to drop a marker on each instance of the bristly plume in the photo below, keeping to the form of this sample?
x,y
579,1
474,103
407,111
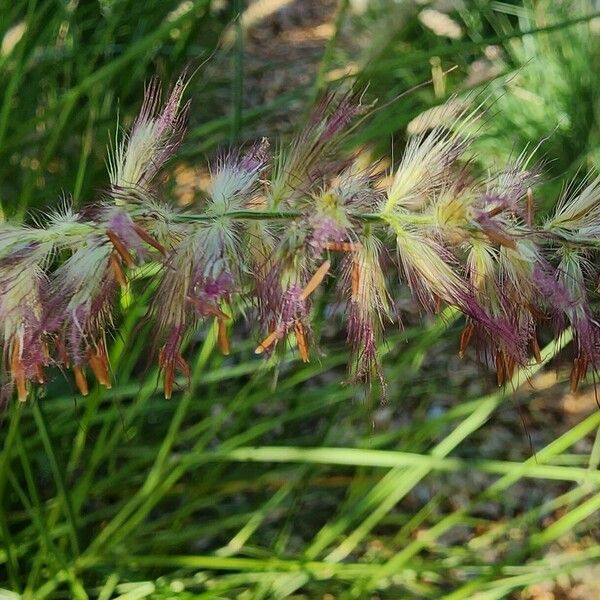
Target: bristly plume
x,y
574,230
368,308
154,137
308,159
23,292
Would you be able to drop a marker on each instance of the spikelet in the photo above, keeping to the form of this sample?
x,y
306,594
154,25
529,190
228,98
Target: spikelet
x,y
368,308
425,164
577,214
155,136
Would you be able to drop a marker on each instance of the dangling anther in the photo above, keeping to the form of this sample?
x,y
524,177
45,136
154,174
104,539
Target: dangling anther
x,y
500,238
119,246
535,350
99,364
510,364
465,338
268,342
39,374
118,274
355,279
80,380
62,352
342,246
168,380
17,371
530,207
578,372
144,235
583,364
168,365
222,336
315,280
500,368
301,341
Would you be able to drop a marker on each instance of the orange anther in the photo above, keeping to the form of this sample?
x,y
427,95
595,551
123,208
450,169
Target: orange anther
x,y
168,381
118,274
500,368
80,380
39,373
530,207
120,248
315,280
17,371
465,338
500,238
149,239
222,337
99,364
355,279
268,342
342,246
535,350
301,340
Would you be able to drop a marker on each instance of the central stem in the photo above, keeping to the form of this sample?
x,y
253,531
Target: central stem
x,y
260,215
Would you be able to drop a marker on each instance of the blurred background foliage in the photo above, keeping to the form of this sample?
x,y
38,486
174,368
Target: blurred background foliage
x,y
240,488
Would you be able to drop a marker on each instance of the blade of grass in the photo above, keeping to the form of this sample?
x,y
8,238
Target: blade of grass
x,y
5,457
389,458
59,476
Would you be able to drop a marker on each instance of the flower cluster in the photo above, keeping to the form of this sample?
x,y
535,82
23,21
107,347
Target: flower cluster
x,y
276,226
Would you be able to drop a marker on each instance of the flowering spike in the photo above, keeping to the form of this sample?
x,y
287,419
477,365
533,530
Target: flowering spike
x,y
274,230
235,178
368,306
302,162
425,164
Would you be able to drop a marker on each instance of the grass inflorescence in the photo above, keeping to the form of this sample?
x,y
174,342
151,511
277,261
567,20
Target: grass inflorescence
x,y
263,476
272,230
